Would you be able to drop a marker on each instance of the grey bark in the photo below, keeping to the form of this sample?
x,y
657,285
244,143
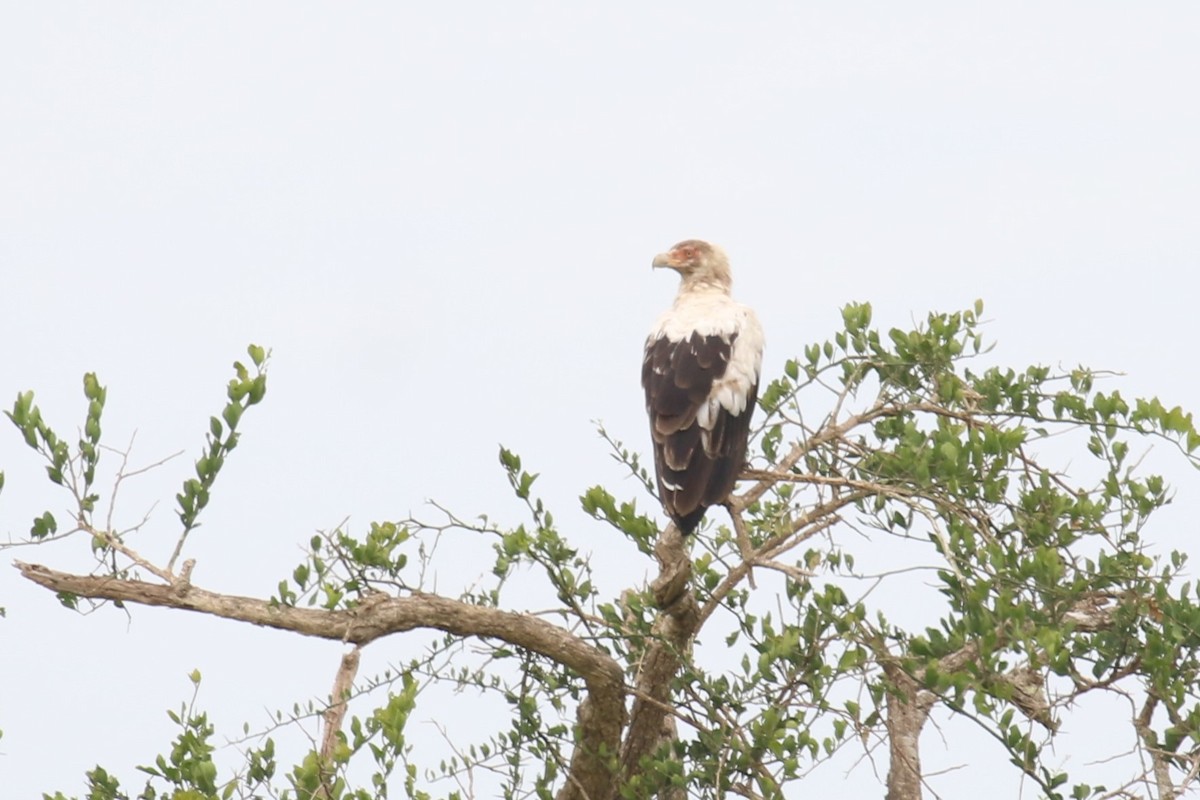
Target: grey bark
x,y
601,714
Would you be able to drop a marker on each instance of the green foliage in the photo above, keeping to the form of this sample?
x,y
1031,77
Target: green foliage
x,y
541,543
1037,569
340,570
75,470
187,770
1042,584
244,390
381,736
624,517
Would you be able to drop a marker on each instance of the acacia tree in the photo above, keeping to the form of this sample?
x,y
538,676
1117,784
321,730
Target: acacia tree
x,y
1045,592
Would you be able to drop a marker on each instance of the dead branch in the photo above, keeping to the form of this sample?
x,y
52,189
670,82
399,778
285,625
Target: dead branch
x,y
343,685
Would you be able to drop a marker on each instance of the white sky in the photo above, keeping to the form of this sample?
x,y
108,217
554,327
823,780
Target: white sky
x,y
441,217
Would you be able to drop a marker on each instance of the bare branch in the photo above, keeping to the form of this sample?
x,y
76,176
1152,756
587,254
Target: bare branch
x,y
828,433
343,685
800,529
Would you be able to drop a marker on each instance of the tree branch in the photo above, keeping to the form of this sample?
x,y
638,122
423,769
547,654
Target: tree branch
x,y
1158,759
343,684
908,707
827,433
677,621
601,714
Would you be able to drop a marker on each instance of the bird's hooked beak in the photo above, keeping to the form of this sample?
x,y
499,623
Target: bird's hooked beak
x,y
663,260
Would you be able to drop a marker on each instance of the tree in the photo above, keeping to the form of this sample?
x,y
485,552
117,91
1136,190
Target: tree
x,y
760,649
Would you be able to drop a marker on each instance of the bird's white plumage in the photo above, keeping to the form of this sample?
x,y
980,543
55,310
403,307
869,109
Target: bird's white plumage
x,y
712,312
700,371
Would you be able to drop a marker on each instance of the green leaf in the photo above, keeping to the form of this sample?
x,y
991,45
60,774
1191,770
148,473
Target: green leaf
x,y
91,387
511,461
44,526
232,414
258,389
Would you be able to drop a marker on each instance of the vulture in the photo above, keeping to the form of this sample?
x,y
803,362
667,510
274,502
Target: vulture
x,y
700,372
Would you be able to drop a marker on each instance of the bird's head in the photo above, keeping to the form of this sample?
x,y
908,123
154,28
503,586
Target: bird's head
x,y
697,262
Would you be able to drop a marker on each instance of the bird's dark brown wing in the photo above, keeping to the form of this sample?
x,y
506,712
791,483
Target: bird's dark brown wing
x,y
727,450
678,377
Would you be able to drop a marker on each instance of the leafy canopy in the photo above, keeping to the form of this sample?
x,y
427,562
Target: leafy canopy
x,y
906,542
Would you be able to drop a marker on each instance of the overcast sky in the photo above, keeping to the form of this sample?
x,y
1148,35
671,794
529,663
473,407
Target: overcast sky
x,y
441,218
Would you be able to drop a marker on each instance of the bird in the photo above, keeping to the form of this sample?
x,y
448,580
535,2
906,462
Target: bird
x,y
700,372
